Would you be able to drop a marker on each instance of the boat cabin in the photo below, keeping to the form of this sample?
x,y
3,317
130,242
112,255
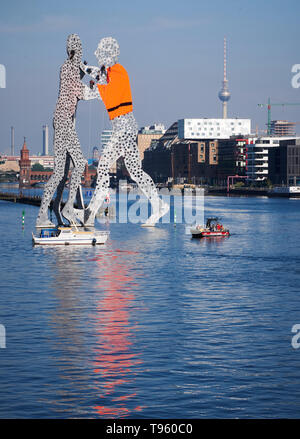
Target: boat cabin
x,y
49,233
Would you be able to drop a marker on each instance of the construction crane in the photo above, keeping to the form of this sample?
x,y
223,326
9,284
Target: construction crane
x,y
269,105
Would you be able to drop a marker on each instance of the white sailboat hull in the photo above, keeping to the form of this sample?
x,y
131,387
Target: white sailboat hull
x,y
72,237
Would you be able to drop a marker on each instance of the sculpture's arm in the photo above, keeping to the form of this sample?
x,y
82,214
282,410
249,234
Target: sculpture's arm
x,y
94,72
90,93
90,70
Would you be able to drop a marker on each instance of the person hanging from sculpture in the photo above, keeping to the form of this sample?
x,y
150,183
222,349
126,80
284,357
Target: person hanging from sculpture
x,y
66,144
113,88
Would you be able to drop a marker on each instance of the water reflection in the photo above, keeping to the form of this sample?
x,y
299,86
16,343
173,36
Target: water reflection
x,y
217,241
116,357
69,323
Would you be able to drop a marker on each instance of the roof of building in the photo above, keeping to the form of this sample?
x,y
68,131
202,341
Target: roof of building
x,y
24,147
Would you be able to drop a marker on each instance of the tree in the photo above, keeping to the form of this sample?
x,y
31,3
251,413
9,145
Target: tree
x,y
269,183
37,167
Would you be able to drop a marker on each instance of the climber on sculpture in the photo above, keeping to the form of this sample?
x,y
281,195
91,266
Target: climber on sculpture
x,y
66,143
113,88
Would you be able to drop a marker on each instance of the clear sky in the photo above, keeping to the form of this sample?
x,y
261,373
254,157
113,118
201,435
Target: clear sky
x,y
172,50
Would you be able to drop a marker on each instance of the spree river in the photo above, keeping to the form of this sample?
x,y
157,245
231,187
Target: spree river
x,y
154,324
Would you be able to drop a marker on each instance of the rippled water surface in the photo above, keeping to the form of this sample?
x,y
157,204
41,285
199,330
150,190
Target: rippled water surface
x,y
154,324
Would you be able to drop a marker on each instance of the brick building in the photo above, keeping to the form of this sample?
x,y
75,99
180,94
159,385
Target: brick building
x,y
25,166
28,177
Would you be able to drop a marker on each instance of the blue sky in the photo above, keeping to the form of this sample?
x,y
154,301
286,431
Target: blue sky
x,y
172,50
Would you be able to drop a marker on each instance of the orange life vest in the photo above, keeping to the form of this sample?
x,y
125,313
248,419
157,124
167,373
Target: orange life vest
x,y
116,94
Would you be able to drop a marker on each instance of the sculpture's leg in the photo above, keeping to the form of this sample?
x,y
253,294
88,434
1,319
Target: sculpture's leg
x,y
109,156
79,165
50,188
59,191
79,198
144,181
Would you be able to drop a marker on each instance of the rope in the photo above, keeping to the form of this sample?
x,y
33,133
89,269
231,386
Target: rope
x,y
90,129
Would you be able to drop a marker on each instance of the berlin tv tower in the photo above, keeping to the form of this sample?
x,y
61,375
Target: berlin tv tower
x,y
224,94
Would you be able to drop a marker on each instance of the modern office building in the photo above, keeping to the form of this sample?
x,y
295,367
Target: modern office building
x,y
284,163
282,128
213,128
105,137
258,151
157,128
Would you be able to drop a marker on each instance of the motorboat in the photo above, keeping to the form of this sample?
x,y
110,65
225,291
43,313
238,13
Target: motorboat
x,y
70,236
213,229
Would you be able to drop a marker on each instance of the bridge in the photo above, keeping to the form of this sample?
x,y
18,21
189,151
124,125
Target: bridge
x,y
20,198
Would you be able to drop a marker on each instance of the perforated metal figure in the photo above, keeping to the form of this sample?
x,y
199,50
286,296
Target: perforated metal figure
x,y
113,88
66,143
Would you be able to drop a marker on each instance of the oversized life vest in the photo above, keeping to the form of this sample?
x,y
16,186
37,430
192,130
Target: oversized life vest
x,y
116,94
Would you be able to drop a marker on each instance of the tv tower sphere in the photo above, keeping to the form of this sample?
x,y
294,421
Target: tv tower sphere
x,y
224,94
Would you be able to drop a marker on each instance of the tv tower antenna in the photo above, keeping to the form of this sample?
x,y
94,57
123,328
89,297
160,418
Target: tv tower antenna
x,y
224,94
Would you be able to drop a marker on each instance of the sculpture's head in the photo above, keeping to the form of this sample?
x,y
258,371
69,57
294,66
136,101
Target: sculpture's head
x,y
107,52
74,48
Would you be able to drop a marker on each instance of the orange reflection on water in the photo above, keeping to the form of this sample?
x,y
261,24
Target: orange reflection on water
x,y
116,356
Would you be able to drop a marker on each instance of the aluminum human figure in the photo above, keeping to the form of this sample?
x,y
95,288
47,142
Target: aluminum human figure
x,y
113,88
66,143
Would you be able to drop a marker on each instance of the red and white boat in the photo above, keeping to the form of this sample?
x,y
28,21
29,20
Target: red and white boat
x,y
212,229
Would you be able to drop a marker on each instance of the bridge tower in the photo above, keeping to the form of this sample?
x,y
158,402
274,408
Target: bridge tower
x,y
25,166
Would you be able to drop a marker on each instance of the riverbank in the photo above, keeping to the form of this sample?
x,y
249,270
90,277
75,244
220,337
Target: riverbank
x,y
33,195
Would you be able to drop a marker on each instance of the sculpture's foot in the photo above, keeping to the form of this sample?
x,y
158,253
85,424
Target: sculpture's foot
x,y
148,224
89,218
79,214
44,222
155,217
68,214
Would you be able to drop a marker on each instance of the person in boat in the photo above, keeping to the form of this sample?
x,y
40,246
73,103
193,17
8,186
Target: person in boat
x,y
113,88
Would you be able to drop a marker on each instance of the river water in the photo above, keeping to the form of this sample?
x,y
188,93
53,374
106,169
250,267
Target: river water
x,y
154,324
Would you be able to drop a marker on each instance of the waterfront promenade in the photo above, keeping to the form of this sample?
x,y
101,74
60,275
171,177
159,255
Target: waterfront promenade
x,y
33,196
